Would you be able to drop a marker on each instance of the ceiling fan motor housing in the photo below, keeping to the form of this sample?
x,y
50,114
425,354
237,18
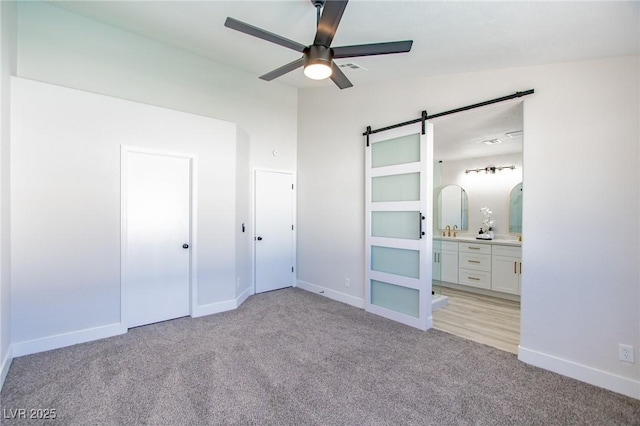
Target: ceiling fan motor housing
x,y
318,54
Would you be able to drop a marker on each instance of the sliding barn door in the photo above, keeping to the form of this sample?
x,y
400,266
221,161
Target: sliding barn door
x,y
398,225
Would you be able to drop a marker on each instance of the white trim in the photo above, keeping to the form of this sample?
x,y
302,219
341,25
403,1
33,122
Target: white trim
x,y
217,307
294,218
439,302
243,296
398,169
5,365
193,252
416,322
62,340
603,379
332,294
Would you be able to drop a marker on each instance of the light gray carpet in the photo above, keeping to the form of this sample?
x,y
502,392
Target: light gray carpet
x,y
293,357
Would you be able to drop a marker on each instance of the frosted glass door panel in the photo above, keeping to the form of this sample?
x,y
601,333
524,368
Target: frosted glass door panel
x,y
396,261
402,150
405,225
400,299
404,187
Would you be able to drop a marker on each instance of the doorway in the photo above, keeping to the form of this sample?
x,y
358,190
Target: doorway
x,y
156,236
274,240
478,158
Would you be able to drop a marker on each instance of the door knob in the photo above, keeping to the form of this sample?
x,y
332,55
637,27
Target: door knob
x,y
259,238
185,246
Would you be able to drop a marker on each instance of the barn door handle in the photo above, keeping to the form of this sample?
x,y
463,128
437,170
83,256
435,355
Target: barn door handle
x,y
185,246
259,238
421,219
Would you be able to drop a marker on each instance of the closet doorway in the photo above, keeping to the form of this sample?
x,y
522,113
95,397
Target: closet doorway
x,y
156,236
477,169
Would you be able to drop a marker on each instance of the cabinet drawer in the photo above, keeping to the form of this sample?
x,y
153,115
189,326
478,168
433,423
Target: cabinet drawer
x,y
449,246
510,251
480,279
475,248
477,262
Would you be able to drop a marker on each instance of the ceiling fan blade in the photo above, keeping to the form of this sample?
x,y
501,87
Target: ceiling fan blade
x,y
234,24
339,78
372,49
331,15
283,69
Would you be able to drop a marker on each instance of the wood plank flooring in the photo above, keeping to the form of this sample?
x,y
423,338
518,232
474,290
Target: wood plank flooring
x,y
483,319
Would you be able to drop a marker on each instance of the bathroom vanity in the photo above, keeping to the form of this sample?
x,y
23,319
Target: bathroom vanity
x,y
491,265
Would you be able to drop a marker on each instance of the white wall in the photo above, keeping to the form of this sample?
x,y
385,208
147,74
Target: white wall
x,y
581,211
485,190
63,48
7,68
65,201
244,240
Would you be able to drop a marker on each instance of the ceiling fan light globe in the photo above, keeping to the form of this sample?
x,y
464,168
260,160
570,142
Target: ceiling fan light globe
x,y
317,71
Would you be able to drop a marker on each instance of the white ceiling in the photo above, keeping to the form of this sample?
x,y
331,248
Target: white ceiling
x,y
449,37
461,135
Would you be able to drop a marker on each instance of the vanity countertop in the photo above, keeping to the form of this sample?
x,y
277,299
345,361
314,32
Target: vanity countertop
x,y
469,239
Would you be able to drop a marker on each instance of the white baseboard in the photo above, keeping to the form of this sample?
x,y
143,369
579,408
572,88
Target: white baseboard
x,y
216,308
57,341
593,376
48,343
4,366
332,294
243,296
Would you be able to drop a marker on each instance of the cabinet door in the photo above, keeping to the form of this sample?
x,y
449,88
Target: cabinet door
x,y
449,266
435,262
505,274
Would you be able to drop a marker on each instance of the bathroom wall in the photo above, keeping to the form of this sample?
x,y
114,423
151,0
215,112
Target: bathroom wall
x,y
484,189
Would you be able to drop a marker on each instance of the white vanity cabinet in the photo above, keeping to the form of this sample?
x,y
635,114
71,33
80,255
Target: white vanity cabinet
x,y
487,265
474,263
445,261
506,269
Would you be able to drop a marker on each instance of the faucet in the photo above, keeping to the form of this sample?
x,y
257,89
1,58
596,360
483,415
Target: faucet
x,y
455,229
448,228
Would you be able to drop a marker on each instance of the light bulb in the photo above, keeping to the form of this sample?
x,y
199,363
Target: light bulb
x,y
317,71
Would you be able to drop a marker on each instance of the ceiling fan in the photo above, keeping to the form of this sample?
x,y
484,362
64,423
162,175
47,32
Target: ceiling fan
x,y
318,58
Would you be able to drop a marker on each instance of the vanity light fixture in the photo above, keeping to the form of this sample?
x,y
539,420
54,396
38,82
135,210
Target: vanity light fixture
x,y
492,141
514,134
490,169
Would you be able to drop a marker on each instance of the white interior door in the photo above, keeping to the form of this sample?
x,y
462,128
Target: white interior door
x,y
274,230
156,237
398,225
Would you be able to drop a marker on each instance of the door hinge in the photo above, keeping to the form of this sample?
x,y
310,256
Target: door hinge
x,y
291,186
292,227
292,269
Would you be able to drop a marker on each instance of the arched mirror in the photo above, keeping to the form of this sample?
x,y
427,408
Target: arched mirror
x,y
515,209
452,207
